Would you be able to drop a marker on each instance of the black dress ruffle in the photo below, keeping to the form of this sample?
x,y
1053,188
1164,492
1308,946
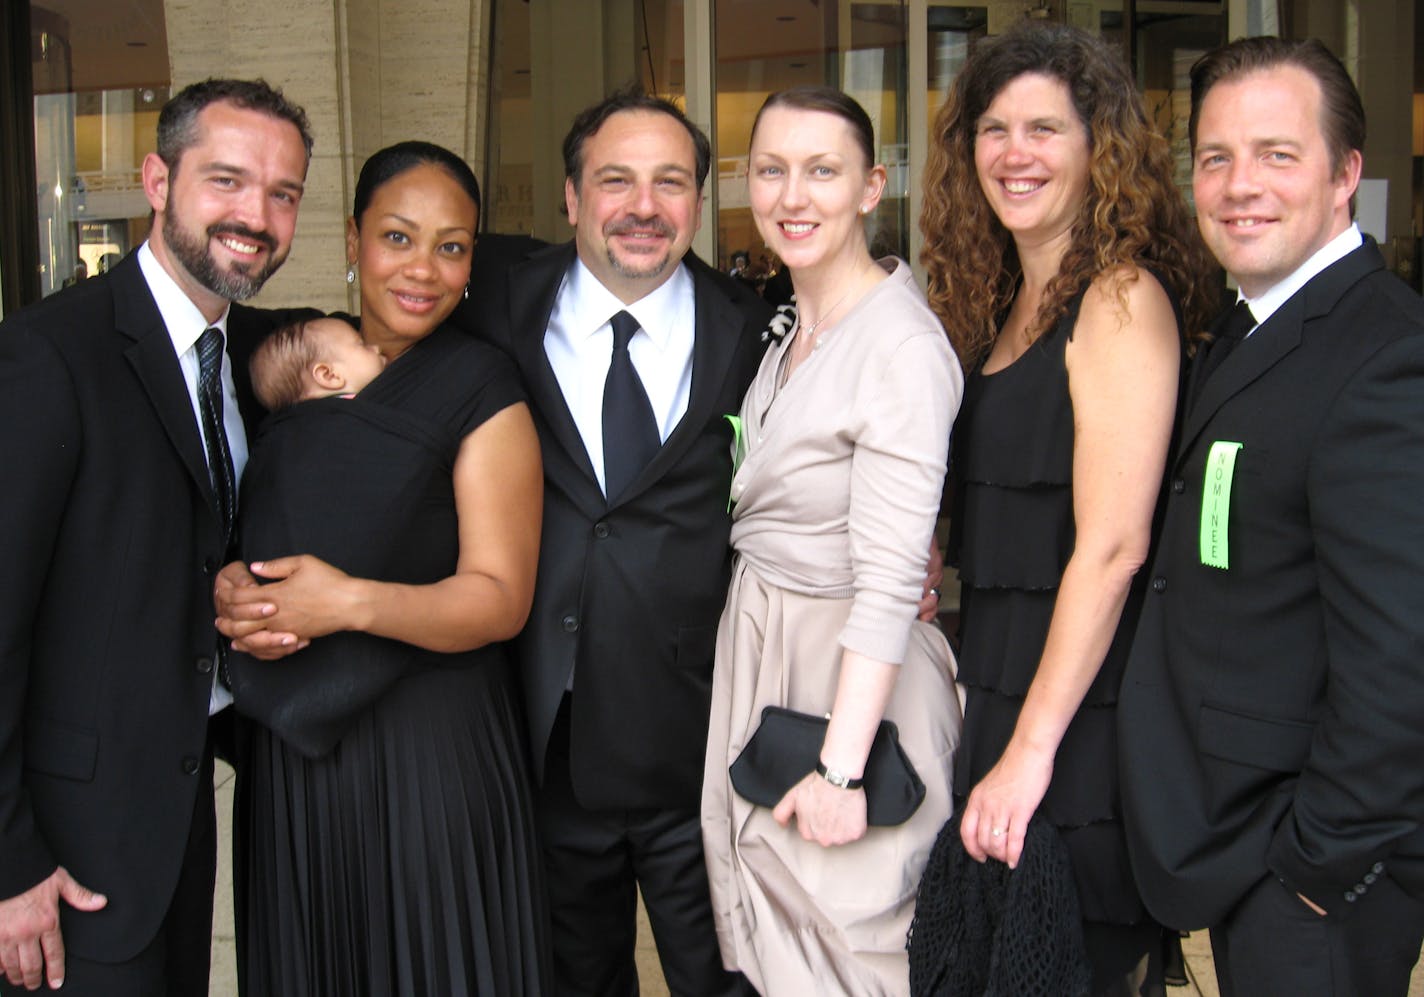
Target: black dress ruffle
x,y
1012,534
389,849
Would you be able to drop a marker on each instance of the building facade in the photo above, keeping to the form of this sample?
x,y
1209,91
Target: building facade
x,y
499,80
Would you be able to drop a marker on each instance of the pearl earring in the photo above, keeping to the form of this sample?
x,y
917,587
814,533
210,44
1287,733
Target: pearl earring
x,y
350,273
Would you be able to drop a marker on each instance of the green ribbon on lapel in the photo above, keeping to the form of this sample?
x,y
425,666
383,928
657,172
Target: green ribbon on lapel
x,y
1216,503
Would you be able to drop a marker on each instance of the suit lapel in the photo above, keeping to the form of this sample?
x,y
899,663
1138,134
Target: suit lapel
x,y
533,286
719,324
1262,350
151,355
1276,338
246,327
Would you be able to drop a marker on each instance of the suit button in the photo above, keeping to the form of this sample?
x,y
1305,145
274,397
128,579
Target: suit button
x,y
1377,868
1370,879
601,530
1159,584
204,666
190,766
570,624
1349,896
1179,486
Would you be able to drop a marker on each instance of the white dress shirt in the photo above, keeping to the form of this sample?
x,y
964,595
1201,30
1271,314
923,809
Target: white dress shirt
x,y
579,345
185,324
1265,304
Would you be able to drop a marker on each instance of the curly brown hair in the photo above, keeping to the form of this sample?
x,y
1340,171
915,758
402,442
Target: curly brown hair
x,y
1132,215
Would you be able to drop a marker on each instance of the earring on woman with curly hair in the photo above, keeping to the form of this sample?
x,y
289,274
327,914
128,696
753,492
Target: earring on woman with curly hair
x,y
350,273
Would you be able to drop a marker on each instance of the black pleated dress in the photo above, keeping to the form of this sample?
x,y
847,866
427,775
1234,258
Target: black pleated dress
x,y
1011,536
400,859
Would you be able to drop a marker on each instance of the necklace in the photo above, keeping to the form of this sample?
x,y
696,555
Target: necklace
x,y
810,329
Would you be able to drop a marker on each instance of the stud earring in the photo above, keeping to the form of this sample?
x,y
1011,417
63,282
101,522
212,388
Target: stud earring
x,y
350,273
864,209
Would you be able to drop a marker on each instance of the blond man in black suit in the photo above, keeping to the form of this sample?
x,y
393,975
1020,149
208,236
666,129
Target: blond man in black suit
x,y
1270,714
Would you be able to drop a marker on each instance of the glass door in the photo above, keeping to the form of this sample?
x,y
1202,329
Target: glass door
x,y
100,71
763,46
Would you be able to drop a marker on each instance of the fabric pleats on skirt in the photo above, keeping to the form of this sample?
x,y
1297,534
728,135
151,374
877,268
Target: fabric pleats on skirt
x,y
404,862
794,917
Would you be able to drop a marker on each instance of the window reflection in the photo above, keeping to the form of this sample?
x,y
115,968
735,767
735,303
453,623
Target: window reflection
x,y
763,47
100,71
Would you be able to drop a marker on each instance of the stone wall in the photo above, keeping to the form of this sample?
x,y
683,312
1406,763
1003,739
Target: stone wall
x,y
368,73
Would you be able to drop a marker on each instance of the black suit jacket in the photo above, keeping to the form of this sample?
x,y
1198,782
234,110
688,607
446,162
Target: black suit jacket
x,y
629,592
1272,714
110,543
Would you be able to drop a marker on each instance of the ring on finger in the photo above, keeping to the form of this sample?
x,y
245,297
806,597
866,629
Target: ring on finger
x,y
997,832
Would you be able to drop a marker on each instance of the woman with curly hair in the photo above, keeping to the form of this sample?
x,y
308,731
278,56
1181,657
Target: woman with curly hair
x,y
1065,268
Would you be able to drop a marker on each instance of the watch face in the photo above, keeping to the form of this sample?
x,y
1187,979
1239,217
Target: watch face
x,y
838,779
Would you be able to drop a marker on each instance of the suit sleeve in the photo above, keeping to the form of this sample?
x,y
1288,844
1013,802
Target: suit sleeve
x,y
1362,788
486,298
39,445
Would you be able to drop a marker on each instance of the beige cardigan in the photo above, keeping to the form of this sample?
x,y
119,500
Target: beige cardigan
x,y
841,482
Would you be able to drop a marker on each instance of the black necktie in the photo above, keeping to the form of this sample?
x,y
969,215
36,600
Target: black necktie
x,y
210,405
1226,336
630,433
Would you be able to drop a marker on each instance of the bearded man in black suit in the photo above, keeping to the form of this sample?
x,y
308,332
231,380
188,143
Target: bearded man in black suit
x,y
122,410
616,658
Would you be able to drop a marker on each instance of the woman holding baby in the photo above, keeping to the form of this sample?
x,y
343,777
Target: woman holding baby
x,y
383,813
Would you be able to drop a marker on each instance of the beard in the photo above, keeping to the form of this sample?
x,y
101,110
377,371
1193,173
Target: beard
x,y
638,266
238,283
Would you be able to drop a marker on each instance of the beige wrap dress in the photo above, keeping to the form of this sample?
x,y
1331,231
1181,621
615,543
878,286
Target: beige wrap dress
x,y
836,499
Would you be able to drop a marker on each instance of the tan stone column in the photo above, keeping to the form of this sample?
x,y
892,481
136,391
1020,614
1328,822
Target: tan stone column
x,y
368,73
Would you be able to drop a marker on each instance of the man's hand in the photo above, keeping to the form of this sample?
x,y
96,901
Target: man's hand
x,y
934,578
31,948
242,615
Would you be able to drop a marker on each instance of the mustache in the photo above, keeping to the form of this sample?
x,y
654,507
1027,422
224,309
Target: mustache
x,y
232,228
633,224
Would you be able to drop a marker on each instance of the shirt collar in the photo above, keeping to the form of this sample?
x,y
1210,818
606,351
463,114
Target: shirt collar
x,y
656,311
1264,305
185,323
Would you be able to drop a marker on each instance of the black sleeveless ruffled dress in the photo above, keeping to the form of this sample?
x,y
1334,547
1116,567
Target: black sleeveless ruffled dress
x,y
1011,536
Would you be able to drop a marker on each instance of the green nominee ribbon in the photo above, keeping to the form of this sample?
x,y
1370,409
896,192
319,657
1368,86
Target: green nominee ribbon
x,y
1216,503
739,451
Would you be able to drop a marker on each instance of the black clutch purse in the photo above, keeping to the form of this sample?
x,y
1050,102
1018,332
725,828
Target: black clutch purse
x,y
787,745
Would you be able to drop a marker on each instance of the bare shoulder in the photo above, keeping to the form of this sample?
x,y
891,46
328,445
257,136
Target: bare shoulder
x,y
1126,304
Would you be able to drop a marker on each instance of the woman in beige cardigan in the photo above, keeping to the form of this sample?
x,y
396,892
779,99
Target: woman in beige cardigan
x,y
844,431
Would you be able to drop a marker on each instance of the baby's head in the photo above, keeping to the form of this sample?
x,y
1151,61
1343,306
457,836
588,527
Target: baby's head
x,y
312,358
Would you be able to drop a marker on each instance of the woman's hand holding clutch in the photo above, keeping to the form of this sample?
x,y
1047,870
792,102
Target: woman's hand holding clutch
x,y
824,813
